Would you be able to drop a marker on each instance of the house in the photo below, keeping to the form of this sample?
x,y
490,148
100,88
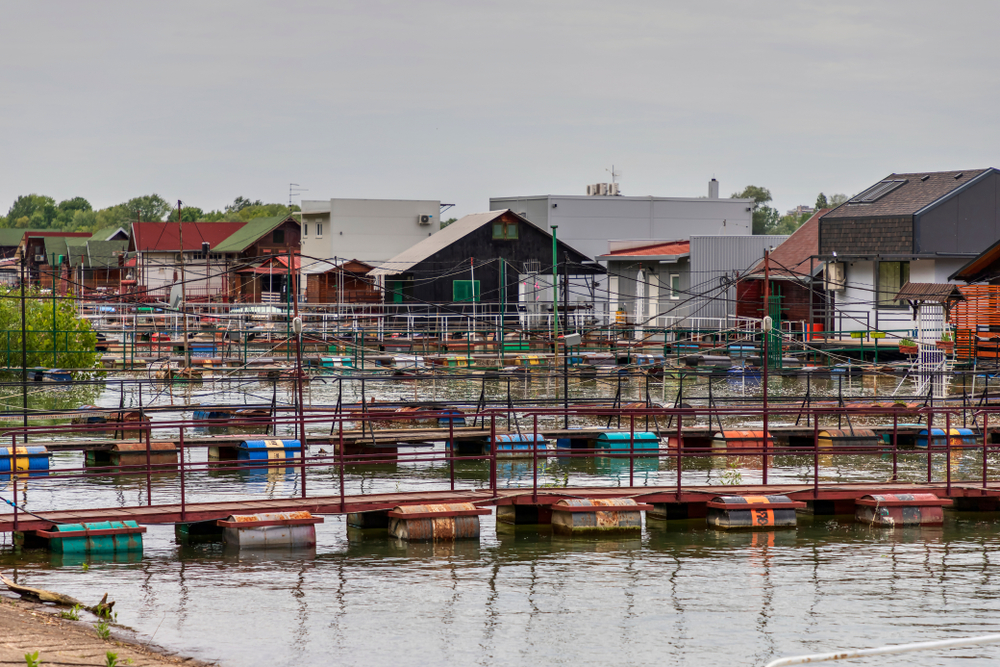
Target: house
x,y
920,227
587,221
795,281
44,250
266,281
497,258
370,230
648,280
688,283
346,282
253,246
213,254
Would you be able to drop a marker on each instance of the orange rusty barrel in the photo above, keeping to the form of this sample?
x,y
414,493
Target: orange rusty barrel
x,y
597,516
741,440
437,523
895,510
833,438
752,512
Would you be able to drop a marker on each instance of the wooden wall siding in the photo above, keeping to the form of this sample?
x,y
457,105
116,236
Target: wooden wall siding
x,y
795,300
531,245
322,288
866,236
976,322
265,246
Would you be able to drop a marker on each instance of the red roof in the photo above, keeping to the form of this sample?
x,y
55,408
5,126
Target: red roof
x,y
791,258
669,248
163,236
277,265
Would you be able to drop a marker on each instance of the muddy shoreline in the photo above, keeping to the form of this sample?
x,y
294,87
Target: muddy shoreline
x,y
27,627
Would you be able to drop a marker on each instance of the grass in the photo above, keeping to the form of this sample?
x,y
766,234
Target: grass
x,y
71,615
32,659
110,659
103,629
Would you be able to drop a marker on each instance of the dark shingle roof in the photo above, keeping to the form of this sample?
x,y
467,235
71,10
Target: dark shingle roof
x,y
932,292
920,189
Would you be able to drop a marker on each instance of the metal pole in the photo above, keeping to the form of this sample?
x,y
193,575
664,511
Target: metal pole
x,y
24,354
180,237
180,431
555,298
298,374
767,343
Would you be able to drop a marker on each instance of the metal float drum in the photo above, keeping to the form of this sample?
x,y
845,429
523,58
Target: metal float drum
x,y
620,442
31,459
270,530
436,523
597,516
752,512
961,438
838,437
267,450
104,537
515,444
897,510
741,440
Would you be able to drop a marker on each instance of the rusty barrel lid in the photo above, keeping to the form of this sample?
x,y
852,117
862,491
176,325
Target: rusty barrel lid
x,y
437,511
136,447
599,505
902,500
301,517
748,502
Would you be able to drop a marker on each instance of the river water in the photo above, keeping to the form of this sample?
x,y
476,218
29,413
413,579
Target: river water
x,y
679,594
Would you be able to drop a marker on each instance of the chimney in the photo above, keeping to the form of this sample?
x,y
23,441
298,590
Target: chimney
x,y
713,189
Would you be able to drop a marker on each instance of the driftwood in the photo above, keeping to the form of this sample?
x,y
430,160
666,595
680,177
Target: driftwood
x,y
102,608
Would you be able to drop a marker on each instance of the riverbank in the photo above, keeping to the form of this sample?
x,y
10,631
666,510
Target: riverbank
x,y
27,627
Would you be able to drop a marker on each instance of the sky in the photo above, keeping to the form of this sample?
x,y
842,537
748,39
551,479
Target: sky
x,y
462,101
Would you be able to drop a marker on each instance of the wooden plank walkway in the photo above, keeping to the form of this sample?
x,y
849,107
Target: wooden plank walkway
x,y
174,513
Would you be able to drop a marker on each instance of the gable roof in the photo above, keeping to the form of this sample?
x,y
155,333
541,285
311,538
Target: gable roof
x,y
983,268
791,258
163,236
917,191
663,248
251,231
109,233
104,254
11,236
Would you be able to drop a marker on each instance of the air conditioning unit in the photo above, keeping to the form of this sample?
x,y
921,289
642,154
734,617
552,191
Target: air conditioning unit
x,y
425,219
836,280
613,191
39,258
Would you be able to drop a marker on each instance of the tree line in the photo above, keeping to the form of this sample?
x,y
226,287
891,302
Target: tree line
x,y
42,212
766,219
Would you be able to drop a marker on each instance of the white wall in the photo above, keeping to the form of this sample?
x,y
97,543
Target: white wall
x,y
369,230
588,223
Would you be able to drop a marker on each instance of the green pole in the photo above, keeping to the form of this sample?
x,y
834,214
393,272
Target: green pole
x,y
288,321
53,313
555,294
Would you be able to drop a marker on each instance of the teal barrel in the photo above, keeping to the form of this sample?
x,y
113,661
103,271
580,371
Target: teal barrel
x,y
103,537
620,442
516,444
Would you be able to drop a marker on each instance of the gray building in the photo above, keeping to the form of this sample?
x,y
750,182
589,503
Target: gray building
x,y
369,230
716,262
588,222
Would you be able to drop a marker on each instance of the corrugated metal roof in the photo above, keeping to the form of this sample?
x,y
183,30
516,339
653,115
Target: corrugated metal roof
x,y
668,248
163,236
929,292
437,242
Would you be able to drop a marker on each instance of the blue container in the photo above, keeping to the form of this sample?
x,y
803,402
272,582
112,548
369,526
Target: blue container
x,y
451,416
959,437
519,445
34,458
267,450
203,350
740,377
213,414
57,375
96,544
621,442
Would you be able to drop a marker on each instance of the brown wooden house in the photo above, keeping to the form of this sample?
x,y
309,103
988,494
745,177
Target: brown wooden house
x,y
343,283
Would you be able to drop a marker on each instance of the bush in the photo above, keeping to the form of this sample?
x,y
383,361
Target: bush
x,y
72,340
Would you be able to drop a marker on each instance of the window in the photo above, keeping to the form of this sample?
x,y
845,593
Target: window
x,y
305,229
675,286
891,277
876,191
465,290
504,231
319,230
278,236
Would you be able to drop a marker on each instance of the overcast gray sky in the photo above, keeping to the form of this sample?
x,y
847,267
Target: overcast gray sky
x,y
461,101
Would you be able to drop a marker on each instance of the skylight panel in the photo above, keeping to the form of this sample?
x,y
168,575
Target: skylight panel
x,y
877,191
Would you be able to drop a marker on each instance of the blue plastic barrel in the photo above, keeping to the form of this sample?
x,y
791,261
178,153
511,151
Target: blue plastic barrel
x,y
267,450
959,437
517,444
34,458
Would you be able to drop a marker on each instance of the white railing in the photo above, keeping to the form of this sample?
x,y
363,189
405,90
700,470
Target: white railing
x,y
850,654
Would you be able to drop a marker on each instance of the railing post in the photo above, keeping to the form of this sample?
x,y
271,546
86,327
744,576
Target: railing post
x,y
895,443
947,452
493,454
986,441
534,460
149,464
680,450
815,422
930,440
451,450
180,432
340,453
631,450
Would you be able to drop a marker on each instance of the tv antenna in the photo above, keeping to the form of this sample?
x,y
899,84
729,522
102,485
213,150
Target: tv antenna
x,y
294,190
615,175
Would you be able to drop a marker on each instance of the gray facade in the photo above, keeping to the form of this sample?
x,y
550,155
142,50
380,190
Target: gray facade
x,y
716,262
368,230
587,223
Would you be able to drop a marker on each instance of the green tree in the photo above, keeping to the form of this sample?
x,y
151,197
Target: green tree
x,y
837,200
789,223
821,202
33,209
153,208
445,223
241,203
765,218
258,211
73,341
